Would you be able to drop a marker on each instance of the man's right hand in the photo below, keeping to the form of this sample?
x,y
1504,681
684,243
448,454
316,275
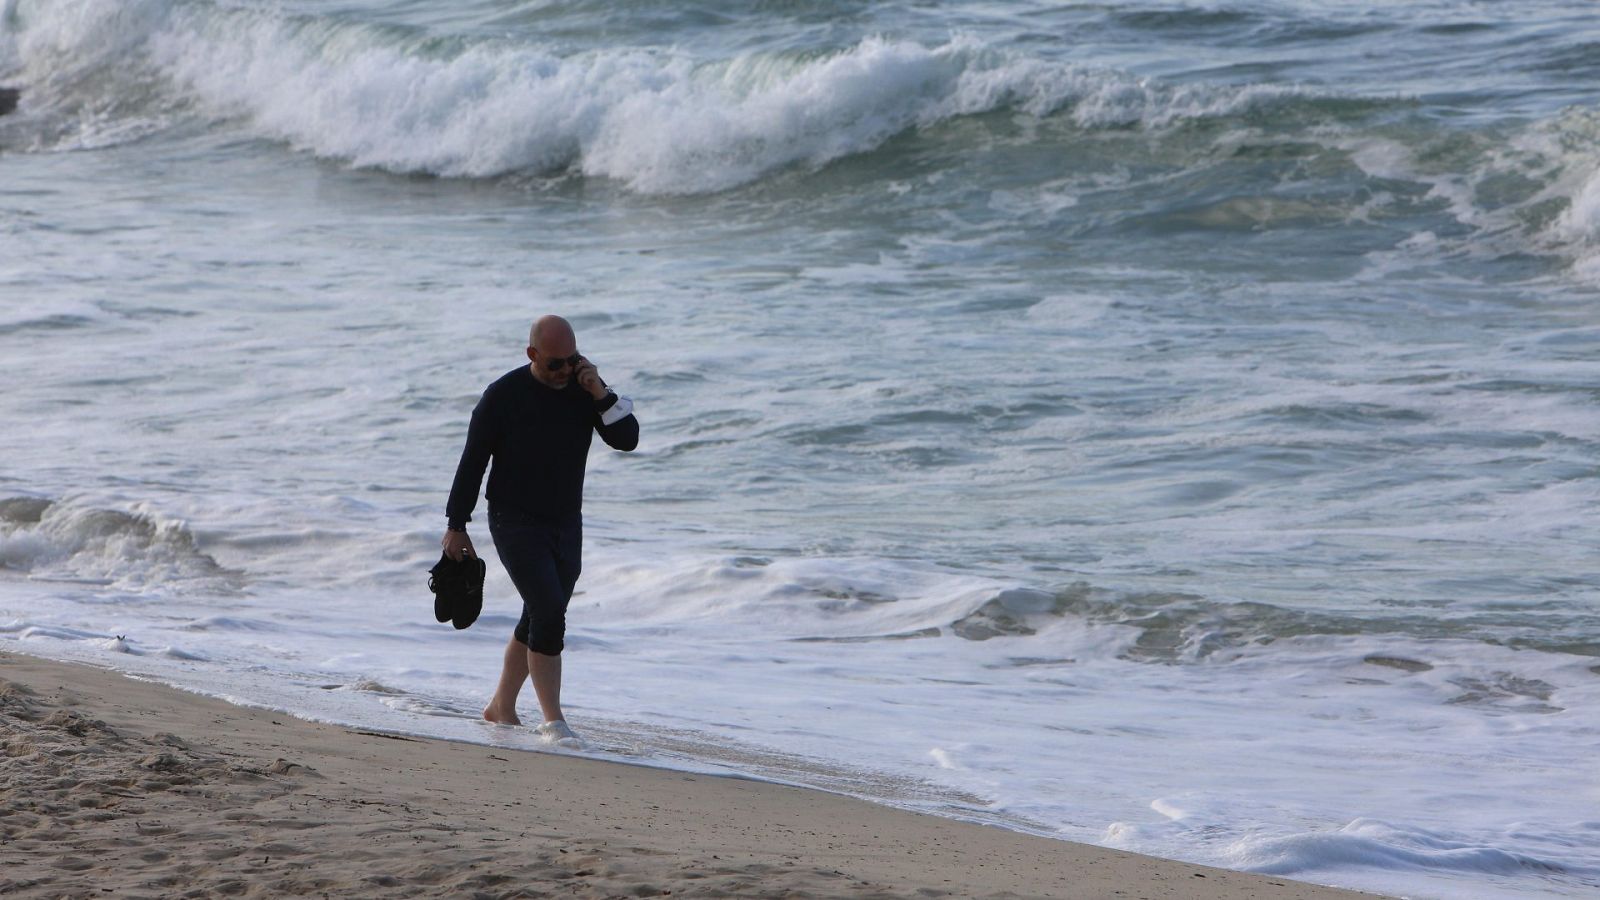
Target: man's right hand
x,y
456,544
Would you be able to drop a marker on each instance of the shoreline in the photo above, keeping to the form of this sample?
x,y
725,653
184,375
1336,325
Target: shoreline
x,y
127,787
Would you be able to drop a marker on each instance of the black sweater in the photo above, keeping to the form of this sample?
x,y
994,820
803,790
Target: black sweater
x,y
539,438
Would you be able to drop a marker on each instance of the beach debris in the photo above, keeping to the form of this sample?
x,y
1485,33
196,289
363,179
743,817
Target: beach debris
x,y
74,724
284,767
162,762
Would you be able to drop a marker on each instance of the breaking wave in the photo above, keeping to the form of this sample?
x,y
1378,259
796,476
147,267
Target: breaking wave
x,y
407,102
825,599
63,541
660,121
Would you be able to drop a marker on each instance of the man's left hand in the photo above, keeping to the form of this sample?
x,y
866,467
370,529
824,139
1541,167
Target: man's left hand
x,y
589,378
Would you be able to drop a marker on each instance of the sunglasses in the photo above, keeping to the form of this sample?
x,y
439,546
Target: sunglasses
x,y
556,365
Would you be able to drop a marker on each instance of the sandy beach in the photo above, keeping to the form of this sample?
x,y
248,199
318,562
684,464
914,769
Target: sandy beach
x,y
120,787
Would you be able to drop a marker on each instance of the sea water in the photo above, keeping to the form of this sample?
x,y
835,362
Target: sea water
x,y
1167,425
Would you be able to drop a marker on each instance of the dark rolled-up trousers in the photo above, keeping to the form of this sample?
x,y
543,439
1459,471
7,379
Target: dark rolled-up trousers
x,y
544,560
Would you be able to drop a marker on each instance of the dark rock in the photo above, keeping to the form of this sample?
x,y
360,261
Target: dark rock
x,y
1398,662
9,98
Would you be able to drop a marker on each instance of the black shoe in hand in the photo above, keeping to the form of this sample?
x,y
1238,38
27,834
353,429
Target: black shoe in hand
x,y
457,589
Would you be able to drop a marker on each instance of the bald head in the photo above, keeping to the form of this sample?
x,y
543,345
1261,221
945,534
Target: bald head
x,y
553,334
551,339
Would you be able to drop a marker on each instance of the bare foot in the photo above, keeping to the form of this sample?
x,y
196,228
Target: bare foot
x,y
492,713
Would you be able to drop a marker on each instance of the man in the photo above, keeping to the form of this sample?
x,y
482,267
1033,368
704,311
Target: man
x,y
536,422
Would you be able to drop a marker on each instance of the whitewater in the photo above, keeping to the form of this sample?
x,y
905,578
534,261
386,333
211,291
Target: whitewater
x,y
1168,426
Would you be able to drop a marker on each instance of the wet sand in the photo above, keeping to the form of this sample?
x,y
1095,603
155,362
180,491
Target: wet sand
x,y
114,787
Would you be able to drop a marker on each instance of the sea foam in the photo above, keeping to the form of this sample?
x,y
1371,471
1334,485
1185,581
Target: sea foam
x,y
133,550
657,121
